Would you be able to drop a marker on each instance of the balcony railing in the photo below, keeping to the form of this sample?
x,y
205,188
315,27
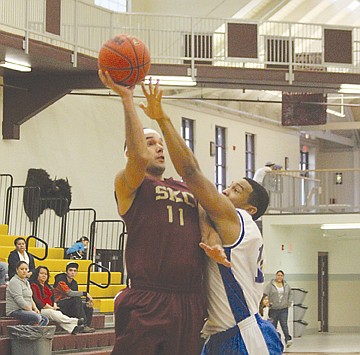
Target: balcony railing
x,y
178,39
314,191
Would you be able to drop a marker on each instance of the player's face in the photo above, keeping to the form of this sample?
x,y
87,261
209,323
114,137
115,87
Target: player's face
x,y
238,193
155,145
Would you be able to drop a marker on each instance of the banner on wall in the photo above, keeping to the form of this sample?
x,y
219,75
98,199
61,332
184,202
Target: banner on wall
x,y
303,109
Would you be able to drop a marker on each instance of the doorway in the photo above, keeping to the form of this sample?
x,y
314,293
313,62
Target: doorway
x,y
323,292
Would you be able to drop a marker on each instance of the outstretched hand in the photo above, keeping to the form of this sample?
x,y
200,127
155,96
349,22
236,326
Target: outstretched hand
x,y
109,83
153,109
216,253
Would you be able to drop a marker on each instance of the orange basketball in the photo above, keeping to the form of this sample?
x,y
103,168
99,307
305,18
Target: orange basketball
x,y
126,58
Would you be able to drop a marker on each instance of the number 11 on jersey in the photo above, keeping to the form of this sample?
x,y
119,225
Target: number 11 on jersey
x,y
171,215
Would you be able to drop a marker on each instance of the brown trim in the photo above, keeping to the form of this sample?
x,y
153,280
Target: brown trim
x,y
53,16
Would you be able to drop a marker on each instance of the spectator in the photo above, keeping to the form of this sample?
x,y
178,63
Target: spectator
x,y
77,250
3,272
280,297
260,173
43,296
264,307
20,254
68,297
19,301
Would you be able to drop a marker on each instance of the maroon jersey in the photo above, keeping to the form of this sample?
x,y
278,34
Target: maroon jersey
x,y
162,250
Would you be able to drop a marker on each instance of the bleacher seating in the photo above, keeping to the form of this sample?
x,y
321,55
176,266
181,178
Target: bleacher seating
x,y
102,340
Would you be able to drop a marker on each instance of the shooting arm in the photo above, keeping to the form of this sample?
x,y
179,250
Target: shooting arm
x,y
128,180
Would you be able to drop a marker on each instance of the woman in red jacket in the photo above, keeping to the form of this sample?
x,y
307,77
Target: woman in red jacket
x,y
44,299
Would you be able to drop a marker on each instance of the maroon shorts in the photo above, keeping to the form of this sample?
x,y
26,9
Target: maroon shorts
x,y
158,323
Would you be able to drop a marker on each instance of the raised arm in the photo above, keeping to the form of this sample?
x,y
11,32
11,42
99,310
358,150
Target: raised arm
x,y
220,210
128,180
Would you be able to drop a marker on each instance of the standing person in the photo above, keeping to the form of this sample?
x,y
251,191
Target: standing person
x,y
280,296
19,301
233,325
261,172
68,297
77,250
3,272
43,297
20,254
163,309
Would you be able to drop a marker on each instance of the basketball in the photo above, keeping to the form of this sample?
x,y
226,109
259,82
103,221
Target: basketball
x,y
126,58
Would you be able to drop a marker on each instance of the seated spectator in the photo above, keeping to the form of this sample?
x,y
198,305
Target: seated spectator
x,y
3,272
20,254
77,251
43,296
19,301
68,297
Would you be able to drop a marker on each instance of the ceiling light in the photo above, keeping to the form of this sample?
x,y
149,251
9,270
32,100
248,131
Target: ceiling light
x,y
15,66
171,80
349,89
340,226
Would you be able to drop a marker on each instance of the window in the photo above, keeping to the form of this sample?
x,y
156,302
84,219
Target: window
x,y
113,5
304,161
220,158
249,155
304,166
187,132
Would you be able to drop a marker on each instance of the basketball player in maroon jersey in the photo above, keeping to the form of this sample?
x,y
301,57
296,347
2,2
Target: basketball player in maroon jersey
x,y
163,309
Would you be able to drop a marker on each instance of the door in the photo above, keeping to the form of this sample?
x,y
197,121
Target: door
x,y
323,292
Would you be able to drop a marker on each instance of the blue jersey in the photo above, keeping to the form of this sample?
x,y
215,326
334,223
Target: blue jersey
x,y
234,295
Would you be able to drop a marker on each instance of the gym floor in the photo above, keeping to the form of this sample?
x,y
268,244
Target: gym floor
x,y
326,343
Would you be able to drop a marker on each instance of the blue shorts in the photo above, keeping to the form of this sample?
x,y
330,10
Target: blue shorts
x,y
231,341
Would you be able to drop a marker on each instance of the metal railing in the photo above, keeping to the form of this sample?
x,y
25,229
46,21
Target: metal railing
x,y
84,27
108,235
46,249
314,191
6,181
89,273
77,224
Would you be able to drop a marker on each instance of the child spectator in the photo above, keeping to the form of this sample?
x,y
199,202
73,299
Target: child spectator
x,y
264,307
77,250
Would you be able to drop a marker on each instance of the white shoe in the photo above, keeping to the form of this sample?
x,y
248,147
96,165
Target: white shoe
x,y
289,343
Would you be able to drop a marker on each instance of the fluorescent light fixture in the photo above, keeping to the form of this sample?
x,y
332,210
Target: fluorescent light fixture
x,y
349,89
171,80
340,226
15,66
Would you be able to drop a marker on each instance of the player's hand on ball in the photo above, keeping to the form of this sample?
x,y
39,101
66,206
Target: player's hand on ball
x,y
109,83
216,253
153,95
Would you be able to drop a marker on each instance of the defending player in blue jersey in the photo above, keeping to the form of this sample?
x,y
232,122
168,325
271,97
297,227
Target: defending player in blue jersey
x,y
233,325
